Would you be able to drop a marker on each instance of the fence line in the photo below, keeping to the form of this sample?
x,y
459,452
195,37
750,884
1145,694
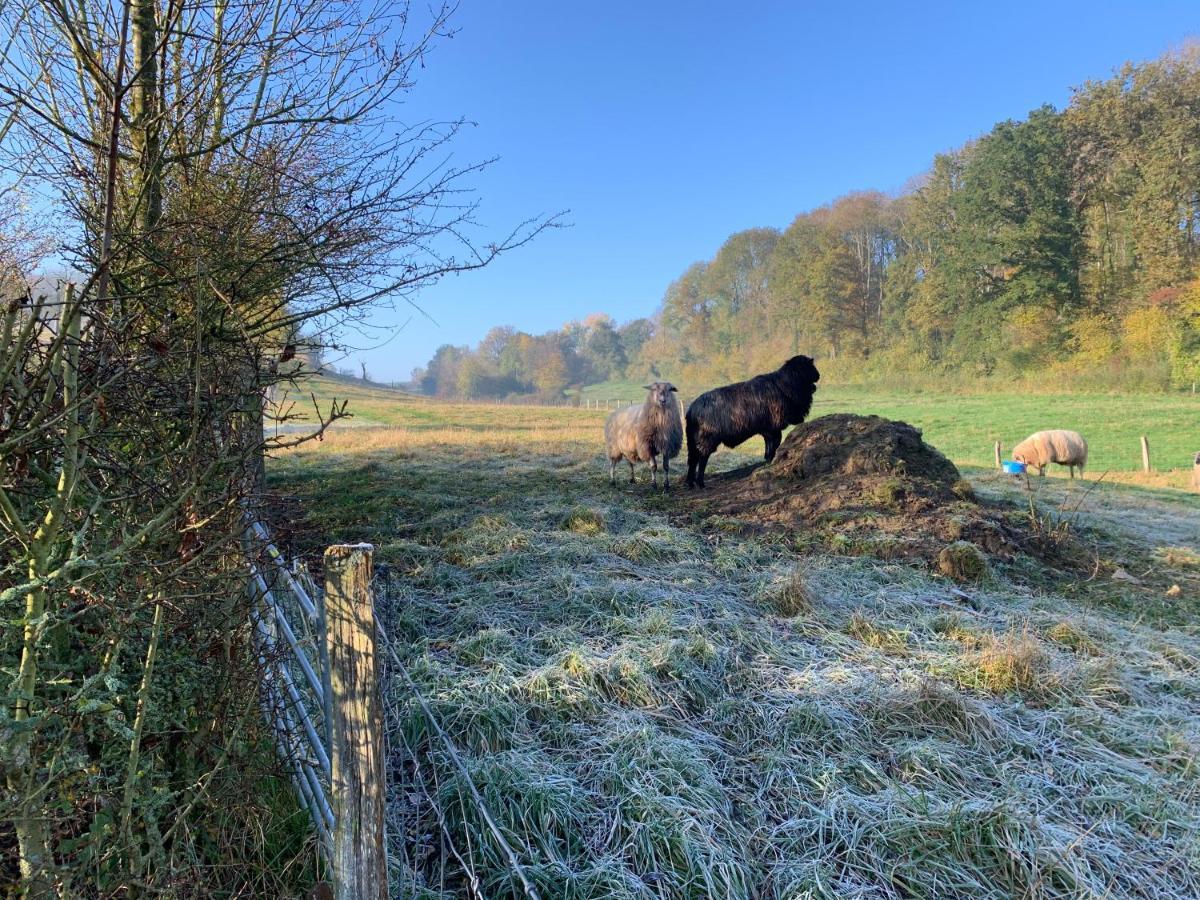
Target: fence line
x,y
456,758
324,729
300,719
320,694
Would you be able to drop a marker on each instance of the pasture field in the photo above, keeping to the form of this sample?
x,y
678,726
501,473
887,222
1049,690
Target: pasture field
x,y
371,404
965,425
655,703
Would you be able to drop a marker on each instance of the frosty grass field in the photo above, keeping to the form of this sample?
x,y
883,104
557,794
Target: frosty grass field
x,y
656,703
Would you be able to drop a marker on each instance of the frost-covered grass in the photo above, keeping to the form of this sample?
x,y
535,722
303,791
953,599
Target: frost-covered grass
x,y
655,706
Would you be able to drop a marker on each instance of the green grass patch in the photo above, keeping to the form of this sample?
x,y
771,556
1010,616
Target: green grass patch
x,y
965,426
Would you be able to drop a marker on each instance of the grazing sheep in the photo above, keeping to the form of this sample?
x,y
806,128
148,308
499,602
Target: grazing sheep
x,y
1067,448
644,433
766,404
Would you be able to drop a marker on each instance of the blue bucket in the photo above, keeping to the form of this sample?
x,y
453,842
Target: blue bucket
x,y
1014,468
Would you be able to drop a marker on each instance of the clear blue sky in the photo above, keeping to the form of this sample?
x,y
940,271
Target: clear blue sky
x,y
665,127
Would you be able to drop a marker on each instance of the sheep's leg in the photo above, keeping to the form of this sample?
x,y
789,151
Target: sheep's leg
x,y
1071,469
693,460
654,470
772,439
666,475
703,464
632,477
612,471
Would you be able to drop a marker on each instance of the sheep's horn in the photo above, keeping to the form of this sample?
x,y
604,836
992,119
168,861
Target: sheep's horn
x,y
646,387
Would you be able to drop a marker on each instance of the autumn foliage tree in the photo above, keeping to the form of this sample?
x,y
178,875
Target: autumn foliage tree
x,y
1067,241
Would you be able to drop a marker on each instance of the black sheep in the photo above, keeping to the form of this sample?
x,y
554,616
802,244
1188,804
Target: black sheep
x,y
766,404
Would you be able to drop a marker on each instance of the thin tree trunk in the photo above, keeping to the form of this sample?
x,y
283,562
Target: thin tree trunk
x,y
33,839
139,724
146,121
110,174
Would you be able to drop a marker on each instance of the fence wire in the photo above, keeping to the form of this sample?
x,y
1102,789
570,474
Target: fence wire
x,y
288,621
422,769
289,640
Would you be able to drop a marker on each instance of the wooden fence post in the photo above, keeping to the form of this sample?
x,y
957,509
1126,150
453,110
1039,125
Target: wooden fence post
x,y
359,850
997,449
1145,454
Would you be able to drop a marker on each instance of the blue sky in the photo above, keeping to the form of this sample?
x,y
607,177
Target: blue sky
x,y
665,127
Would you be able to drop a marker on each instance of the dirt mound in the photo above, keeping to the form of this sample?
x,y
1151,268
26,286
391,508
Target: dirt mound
x,y
855,446
862,484
843,462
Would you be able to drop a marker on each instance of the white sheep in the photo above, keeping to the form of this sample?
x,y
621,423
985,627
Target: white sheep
x,y
1067,448
644,433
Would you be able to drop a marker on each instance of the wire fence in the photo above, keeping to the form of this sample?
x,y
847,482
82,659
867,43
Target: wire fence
x,y
287,619
303,696
418,774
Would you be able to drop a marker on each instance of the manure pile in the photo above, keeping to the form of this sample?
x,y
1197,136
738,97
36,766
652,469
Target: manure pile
x,y
868,484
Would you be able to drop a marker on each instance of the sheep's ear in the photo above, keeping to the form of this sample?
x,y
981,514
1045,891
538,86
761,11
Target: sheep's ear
x,y
673,388
646,387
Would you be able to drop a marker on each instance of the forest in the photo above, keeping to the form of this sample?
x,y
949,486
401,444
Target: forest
x,y
1059,249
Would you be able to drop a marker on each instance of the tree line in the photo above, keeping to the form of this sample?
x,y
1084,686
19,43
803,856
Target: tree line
x,y
1062,246
508,362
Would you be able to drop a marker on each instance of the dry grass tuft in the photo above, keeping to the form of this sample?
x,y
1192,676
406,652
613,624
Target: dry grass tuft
x,y
1073,637
888,493
1180,557
584,520
962,561
890,640
963,490
1013,662
953,627
790,596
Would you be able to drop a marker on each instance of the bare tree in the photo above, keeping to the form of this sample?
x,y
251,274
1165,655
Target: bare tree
x,y
224,176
